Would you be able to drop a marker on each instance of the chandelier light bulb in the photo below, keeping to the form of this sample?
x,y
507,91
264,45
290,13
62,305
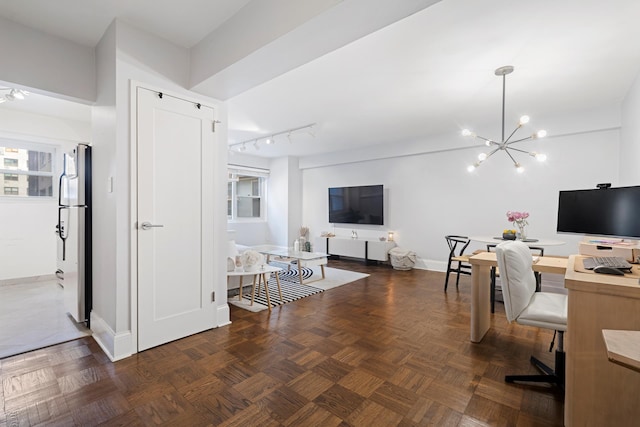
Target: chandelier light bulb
x,y
488,143
524,120
269,141
541,157
541,133
471,168
3,100
519,168
466,132
18,94
482,156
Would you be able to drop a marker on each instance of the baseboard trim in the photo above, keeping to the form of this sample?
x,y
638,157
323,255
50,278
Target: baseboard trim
x,y
223,315
115,346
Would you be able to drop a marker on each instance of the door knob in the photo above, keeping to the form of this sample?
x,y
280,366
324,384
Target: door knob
x,y
147,225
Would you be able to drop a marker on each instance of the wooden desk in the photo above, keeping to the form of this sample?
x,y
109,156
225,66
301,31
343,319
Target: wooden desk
x,y
598,392
481,287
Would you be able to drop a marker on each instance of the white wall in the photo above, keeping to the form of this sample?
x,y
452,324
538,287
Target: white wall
x,y
46,63
430,195
630,142
126,54
28,243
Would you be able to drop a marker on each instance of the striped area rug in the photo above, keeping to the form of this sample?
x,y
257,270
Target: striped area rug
x,y
292,290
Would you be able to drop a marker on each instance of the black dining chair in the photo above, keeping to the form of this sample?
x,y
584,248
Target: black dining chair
x,y
495,273
457,246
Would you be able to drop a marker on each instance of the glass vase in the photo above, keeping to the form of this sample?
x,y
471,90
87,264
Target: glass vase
x,y
522,232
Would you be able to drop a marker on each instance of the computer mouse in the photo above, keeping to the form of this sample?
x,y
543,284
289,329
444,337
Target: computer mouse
x,y
603,269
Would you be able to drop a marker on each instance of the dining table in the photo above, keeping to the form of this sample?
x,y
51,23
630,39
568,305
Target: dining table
x,y
529,241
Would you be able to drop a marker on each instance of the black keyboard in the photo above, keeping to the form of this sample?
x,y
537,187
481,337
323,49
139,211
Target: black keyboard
x,y
607,261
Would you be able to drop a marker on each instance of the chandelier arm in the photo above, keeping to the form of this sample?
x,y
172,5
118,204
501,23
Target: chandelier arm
x,y
487,140
506,141
520,140
509,154
519,150
492,153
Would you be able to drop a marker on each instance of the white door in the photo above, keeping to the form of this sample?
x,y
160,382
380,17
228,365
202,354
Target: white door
x,y
175,218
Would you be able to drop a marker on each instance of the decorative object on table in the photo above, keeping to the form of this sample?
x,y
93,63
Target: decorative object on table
x,y
307,246
296,245
390,236
506,144
354,234
519,219
509,234
304,238
251,260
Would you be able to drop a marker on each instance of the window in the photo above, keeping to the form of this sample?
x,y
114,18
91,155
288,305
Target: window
x,y
246,194
26,170
10,163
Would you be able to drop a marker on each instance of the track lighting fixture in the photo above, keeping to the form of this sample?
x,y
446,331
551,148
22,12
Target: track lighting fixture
x,y
271,139
11,94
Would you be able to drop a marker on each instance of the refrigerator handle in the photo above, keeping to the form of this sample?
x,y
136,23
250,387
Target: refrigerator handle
x,y
64,174
62,233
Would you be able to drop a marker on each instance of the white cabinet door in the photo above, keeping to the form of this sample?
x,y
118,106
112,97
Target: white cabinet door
x,y
175,160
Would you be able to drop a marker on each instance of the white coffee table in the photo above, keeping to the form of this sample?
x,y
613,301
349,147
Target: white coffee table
x,y
303,259
261,275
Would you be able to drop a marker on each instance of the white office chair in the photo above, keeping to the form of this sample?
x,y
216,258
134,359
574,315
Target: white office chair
x,y
526,306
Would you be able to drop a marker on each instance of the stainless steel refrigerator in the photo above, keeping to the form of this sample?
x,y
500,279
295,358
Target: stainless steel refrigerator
x,y
74,232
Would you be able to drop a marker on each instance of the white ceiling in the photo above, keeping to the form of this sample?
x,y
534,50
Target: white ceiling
x,y
428,74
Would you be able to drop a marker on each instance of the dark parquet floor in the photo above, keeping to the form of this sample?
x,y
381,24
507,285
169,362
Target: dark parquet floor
x,y
391,349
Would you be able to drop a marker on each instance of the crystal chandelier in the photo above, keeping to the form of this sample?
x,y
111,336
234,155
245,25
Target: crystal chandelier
x,y
506,145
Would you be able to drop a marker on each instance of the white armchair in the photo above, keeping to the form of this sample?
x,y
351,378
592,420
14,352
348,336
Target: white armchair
x,y
526,306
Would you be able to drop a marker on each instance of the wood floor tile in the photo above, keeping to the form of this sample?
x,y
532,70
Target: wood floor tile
x,y
332,369
395,398
310,385
361,382
282,403
258,386
390,349
313,415
339,401
371,414
491,412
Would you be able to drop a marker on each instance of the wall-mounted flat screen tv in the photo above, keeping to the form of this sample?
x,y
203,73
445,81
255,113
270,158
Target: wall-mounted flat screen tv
x,y
601,212
357,205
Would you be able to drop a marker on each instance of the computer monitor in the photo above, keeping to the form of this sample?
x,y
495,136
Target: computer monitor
x,y
600,212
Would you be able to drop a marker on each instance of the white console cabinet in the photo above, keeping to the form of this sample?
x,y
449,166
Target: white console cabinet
x,y
370,250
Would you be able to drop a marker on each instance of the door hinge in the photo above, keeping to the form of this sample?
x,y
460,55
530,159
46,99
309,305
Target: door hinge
x,y
213,296
213,125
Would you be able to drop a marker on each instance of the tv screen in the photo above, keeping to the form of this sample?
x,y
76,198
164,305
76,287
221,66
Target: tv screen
x,y
356,205
604,212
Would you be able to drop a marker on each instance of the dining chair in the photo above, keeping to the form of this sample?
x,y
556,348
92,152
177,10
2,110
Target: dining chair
x,y
495,273
527,307
457,246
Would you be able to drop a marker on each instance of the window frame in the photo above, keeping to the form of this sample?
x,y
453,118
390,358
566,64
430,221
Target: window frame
x,y
234,174
51,149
